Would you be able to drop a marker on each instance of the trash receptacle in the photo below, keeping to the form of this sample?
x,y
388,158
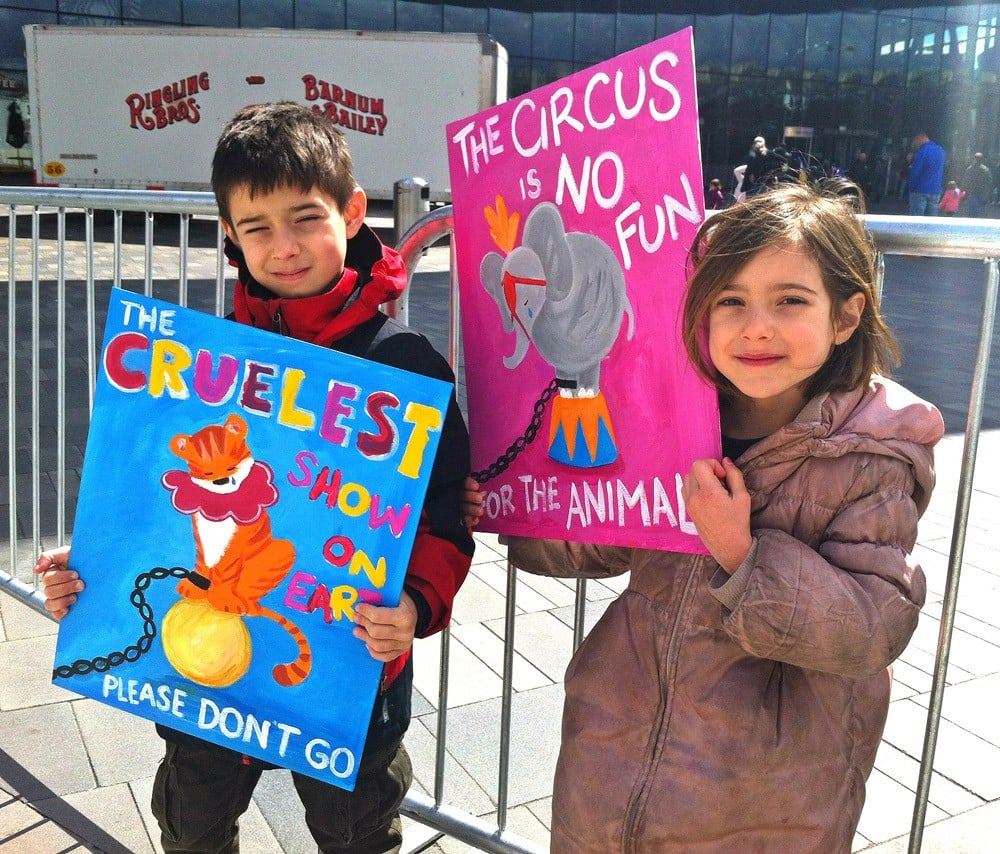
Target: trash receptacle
x,y
411,199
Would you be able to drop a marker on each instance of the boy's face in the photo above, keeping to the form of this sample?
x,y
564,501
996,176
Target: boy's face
x,y
294,242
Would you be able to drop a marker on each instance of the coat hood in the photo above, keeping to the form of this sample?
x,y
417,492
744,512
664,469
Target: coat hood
x,y
880,418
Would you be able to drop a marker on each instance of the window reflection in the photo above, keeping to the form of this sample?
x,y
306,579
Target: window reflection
x,y
266,13
713,35
12,39
891,48
552,35
857,47
371,15
591,36
21,5
88,21
713,97
418,17
463,19
632,31
320,14
543,72
93,8
512,30
787,44
667,24
750,44
167,11
822,46
926,47
211,13
518,76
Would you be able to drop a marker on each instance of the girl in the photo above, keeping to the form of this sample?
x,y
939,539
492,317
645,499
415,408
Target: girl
x,y
715,199
734,702
951,199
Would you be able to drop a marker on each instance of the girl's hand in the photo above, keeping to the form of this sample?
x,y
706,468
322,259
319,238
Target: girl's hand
x,y
59,582
718,503
472,503
387,632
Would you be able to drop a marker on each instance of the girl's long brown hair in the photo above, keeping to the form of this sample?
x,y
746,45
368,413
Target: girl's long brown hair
x,y
824,223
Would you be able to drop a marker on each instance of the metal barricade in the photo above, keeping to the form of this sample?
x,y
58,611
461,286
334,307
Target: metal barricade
x,y
893,235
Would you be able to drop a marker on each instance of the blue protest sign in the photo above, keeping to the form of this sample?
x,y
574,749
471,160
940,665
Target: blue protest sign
x,y
241,493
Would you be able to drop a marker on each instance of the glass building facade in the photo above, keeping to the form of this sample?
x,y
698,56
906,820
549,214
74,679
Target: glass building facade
x,y
862,76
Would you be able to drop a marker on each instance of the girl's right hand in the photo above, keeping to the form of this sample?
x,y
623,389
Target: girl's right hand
x,y
60,583
472,502
717,501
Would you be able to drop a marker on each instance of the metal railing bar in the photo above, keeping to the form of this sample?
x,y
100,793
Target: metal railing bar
x,y
141,201
183,236
91,311
11,389
464,827
454,327
506,697
25,593
220,272
423,234
117,261
938,237
441,731
61,381
148,234
950,602
579,613
36,439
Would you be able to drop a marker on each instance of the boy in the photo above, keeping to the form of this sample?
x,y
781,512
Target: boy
x,y
310,268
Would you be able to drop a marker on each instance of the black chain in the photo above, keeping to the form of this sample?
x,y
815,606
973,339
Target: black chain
x,y
518,445
101,664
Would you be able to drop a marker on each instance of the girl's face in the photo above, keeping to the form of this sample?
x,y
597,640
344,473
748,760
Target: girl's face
x,y
773,327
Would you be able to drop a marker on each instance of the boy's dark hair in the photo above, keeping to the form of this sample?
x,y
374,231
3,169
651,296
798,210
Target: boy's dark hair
x,y
823,223
267,146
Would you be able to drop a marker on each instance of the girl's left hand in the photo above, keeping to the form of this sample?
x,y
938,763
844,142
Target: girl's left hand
x,y
718,503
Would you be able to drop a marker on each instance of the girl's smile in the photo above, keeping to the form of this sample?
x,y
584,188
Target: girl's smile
x,y
759,359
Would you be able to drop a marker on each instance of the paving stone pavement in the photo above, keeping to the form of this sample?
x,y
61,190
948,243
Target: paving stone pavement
x,y
76,775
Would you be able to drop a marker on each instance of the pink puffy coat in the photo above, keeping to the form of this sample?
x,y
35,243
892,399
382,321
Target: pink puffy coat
x,y
707,713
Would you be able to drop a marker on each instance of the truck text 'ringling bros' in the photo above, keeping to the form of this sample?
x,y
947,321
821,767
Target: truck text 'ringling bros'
x,y
142,108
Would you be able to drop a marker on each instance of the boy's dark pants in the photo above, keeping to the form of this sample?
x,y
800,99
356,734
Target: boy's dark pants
x,y
201,791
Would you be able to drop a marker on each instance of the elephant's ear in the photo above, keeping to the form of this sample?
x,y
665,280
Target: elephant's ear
x,y
545,234
491,274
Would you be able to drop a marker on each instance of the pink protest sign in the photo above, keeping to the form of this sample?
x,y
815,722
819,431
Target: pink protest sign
x,y
575,205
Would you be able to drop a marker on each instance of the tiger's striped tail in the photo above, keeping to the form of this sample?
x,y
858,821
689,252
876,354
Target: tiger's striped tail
x,y
295,671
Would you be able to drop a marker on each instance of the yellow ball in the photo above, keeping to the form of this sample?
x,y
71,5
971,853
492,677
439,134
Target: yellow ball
x,y
207,646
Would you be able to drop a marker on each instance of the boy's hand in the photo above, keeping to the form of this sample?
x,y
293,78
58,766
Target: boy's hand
x,y
60,583
718,503
472,502
387,632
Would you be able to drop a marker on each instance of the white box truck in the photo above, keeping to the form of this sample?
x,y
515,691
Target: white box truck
x,y
140,108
